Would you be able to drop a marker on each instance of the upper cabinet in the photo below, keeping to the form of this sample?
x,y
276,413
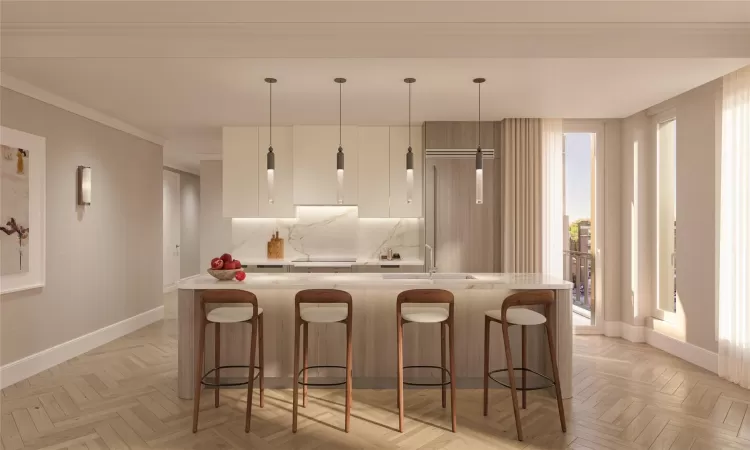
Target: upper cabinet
x,y
458,135
399,143
283,176
305,170
374,171
240,171
315,149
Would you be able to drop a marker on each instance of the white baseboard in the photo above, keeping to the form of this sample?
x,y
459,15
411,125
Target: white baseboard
x,y
16,371
684,350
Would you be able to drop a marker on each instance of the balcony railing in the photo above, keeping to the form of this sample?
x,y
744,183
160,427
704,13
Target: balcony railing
x,y
579,269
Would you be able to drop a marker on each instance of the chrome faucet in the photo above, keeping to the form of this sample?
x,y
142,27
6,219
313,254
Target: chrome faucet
x,y
432,269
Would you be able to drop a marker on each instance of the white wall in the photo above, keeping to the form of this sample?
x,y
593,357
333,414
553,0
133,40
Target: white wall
x,y
215,230
696,113
190,262
103,262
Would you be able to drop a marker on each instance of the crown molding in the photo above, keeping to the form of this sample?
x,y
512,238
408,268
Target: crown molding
x,y
29,90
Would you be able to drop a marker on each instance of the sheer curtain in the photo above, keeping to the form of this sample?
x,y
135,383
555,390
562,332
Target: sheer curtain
x,y
734,240
530,186
520,195
552,197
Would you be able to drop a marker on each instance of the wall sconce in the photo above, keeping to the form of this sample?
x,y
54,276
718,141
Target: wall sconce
x,y
84,185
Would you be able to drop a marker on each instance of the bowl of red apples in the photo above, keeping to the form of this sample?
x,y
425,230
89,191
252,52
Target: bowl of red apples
x,y
225,268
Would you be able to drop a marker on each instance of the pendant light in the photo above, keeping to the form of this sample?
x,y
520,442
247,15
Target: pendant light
x,y
479,162
340,154
409,154
270,157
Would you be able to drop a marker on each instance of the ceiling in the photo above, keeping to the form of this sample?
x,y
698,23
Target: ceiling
x,y
169,96
180,70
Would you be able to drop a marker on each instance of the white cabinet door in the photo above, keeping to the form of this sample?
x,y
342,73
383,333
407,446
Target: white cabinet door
x,y
283,177
314,158
399,143
374,170
240,171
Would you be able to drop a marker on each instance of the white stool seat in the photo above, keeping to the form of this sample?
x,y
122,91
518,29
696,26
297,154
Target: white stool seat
x,y
324,314
424,314
231,314
519,316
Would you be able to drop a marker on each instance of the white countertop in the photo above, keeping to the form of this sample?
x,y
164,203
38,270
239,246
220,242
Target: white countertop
x,y
359,262
379,280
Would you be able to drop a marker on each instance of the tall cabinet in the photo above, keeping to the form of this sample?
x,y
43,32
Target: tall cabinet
x,y
461,232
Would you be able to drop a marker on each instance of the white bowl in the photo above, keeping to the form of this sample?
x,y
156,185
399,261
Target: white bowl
x,y
223,275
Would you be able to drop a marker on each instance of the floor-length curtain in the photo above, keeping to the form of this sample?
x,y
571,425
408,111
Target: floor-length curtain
x,y
552,197
520,195
734,245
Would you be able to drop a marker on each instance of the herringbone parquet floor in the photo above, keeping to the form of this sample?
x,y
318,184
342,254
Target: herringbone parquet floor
x,y
122,395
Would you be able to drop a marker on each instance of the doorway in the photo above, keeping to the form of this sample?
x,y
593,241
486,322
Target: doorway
x,y
171,228
581,153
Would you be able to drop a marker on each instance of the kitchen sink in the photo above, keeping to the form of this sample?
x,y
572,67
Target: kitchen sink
x,y
427,276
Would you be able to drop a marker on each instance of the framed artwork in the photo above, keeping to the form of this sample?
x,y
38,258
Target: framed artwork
x,y
22,210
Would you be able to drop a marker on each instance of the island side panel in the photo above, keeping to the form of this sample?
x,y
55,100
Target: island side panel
x,y
563,327
186,341
374,346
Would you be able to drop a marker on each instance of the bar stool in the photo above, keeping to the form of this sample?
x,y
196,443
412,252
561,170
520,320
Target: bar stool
x,y
340,312
426,314
509,315
228,314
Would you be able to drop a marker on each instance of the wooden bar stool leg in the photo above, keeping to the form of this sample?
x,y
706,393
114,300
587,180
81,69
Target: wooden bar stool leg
x,y
305,348
200,354
451,347
251,376
523,365
512,380
348,372
261,363
295,388
558,393
217,361
442,358
400,352
486,362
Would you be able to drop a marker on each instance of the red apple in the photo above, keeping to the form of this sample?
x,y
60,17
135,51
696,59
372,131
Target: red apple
x,y
229,265
237,264
217,264
226,257
239,275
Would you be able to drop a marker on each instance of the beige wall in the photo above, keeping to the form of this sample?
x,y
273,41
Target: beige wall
x,y
215,230
190,187
103,263
697,126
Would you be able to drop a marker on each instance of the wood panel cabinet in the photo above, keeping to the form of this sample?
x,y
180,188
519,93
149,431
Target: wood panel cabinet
x,y
399,142
314,164
374,171
458,135
283,196
240,171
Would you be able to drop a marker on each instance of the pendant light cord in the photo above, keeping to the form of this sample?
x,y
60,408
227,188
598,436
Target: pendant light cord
x,y
270,114
340,114
479,122
409,115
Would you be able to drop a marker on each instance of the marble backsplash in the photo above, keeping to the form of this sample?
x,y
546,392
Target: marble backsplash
x,y
328,232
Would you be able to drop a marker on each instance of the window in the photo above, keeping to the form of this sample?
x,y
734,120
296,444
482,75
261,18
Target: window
x,y
666,211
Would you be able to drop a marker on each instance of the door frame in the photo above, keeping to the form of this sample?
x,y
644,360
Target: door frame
x,y
167,220
656,120
595,127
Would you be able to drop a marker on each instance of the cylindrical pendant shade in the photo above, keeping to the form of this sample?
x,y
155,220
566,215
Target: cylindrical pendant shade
x,y
340,159
480,177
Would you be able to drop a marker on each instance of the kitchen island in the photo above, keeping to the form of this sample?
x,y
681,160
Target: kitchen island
x,y
374,327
